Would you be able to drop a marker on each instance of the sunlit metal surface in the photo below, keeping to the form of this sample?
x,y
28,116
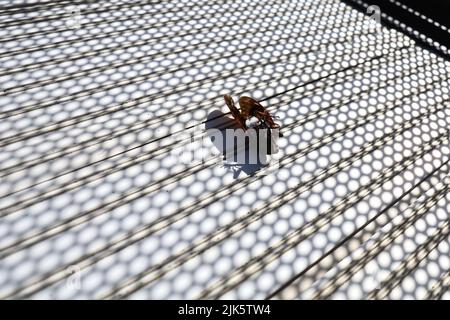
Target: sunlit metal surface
x,y
100,100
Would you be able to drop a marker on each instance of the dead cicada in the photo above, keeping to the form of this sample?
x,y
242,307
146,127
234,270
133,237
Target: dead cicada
x,y
252,113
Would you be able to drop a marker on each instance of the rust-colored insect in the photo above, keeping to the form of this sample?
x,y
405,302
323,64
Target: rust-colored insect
x,y
250,108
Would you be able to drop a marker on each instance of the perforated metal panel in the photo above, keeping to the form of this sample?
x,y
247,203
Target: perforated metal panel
x,y
102,99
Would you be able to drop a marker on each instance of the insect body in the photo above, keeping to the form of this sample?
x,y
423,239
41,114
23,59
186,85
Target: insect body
x,y
250,108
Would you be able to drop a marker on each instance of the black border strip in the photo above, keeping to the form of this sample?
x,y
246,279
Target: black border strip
x,y
416,23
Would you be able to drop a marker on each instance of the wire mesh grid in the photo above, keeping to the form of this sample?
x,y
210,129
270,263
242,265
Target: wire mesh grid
x,y
100,98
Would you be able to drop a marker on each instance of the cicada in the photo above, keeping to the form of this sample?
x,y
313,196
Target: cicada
x,y
250,109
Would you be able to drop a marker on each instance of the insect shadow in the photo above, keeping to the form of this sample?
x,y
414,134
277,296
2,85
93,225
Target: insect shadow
x,y
237,148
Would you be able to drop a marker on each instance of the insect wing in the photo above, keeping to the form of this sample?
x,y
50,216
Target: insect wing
x,y
234,111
